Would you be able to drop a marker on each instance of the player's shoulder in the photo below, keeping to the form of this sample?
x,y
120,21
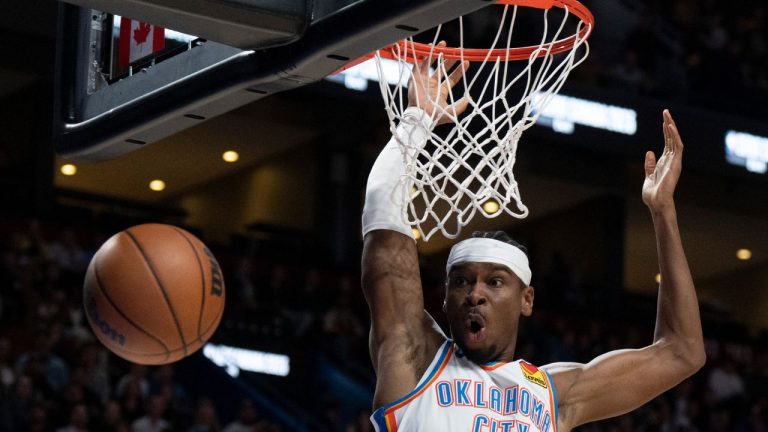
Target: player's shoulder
x,y
561,367
563,376
563,373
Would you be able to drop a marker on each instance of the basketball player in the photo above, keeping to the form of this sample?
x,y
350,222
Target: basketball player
x,y
472,382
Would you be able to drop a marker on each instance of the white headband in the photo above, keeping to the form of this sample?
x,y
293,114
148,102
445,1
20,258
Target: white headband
x,y
490,251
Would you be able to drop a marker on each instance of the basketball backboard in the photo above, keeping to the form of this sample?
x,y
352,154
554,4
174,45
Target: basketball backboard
x,y
241,51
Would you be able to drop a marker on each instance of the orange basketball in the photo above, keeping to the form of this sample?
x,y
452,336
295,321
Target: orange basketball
x,y
153,294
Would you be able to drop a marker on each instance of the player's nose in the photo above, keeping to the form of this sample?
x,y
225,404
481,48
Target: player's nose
x,y
475,295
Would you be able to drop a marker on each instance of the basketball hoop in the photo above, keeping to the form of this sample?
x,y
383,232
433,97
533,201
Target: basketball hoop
x,y
466,165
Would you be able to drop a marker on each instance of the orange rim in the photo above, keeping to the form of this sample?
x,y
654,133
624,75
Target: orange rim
x,y
417,50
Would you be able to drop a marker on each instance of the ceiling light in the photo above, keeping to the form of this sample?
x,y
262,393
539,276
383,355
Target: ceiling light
x,y
491,206
416,233
157,185
68,169
658,278
743,254
230,156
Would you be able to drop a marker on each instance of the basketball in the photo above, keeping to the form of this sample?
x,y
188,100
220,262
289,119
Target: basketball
x,y
153,294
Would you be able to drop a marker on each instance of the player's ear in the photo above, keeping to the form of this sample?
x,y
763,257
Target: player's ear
x,y
526,301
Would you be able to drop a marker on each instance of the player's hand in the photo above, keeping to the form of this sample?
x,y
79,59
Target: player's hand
x,y
430,92
661,176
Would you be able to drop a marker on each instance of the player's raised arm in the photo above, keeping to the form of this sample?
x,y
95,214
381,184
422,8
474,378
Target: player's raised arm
x,y
403,340
620,381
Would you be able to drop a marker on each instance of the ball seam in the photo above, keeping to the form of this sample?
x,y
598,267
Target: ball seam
x,y
152,269
202,281
102,287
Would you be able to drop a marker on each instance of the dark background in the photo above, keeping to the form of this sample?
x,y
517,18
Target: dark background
x,y
284,222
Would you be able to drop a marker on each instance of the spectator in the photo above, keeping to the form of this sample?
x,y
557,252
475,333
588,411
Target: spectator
x,y
342,326
681,406
154,420
38,419
205,417
131,401
725,382
361,424
15,410
629,74
45,368
246,418
111,419
242,286
67,253
93,361
78,421
73,395
137,377
7,376
164,384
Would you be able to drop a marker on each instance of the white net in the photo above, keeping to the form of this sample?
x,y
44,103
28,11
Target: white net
x,y
465,167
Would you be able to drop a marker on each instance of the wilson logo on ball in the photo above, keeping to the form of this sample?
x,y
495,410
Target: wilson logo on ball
x,y
102,324
217,280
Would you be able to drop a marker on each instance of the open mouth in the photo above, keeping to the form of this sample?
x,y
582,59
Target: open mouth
x,y
475,327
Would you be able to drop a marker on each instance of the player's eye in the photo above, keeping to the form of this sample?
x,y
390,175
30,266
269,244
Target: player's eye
x,y
459,280
496,282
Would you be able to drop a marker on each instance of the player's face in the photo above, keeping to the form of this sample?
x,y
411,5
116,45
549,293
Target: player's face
x,y
483,303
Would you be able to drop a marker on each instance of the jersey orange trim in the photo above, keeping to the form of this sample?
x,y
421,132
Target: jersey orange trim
x,y
391,421
494,366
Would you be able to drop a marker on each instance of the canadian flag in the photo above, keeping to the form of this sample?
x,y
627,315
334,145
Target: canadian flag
x,y
138,40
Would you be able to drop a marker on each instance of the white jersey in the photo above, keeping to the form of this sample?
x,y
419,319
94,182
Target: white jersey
x,y
457,395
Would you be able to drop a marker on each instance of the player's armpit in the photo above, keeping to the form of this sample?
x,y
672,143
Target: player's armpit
x,y
617,382
401,358
403,341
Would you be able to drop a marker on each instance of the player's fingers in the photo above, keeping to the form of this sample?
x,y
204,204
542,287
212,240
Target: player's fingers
x,y
668,114
435,54
442,69
676,143
422,67
458,73
461,105
450,65
665,129
425,63
674,134
650,163
452,112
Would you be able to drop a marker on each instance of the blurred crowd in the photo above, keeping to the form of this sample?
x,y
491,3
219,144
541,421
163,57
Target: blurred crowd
x,y
54,375
702,53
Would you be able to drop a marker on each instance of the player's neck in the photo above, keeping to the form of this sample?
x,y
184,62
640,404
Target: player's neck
x,y
491,355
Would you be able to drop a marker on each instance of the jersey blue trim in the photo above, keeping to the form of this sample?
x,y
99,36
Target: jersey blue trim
x,y
379,416
554,399
379,421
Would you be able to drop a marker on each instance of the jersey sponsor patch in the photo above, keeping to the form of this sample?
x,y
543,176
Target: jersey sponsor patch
x,y
533,374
